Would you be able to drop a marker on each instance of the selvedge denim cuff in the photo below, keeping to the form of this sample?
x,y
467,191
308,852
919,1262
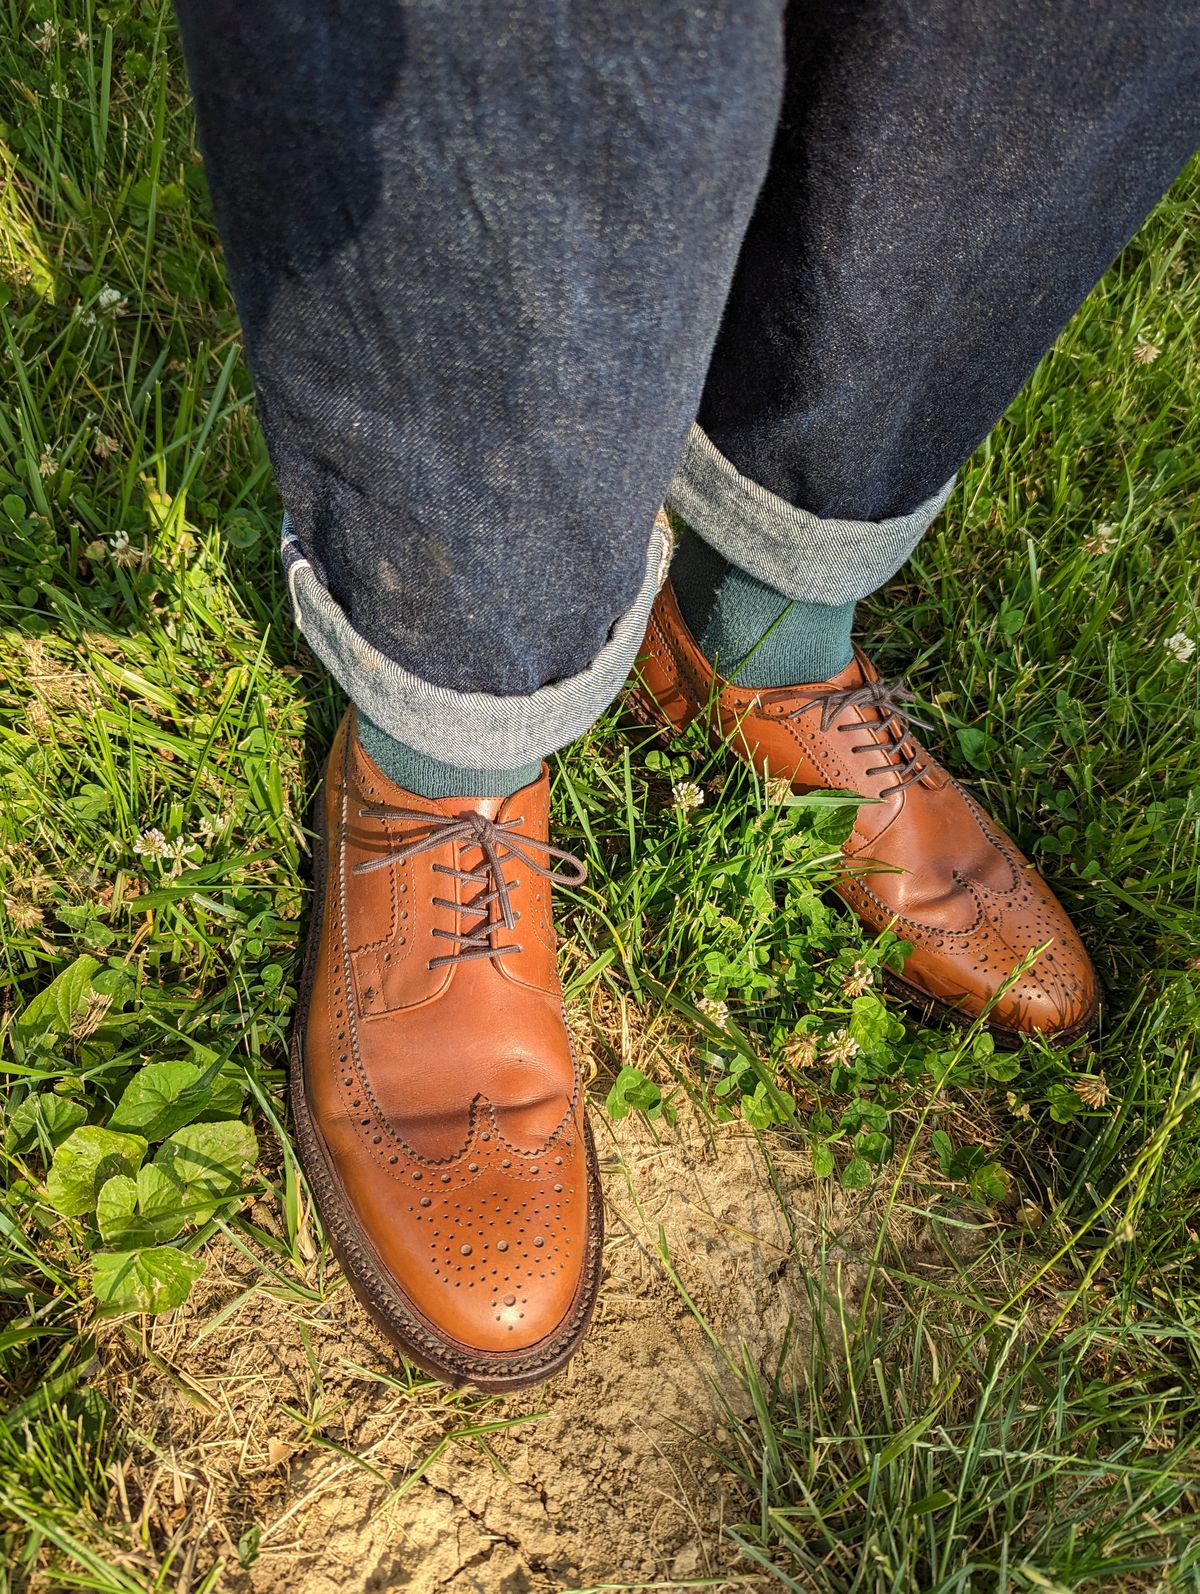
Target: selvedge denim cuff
x,y
476,730
799,554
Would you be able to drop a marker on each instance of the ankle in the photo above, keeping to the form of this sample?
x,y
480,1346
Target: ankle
x,y
753,634
429,777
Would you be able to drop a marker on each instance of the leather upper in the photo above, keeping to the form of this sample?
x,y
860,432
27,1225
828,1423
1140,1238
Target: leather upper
x,y
953,883
446,1093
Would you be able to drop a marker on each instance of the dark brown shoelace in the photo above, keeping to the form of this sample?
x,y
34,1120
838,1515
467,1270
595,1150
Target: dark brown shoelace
x,y
499,846
886,698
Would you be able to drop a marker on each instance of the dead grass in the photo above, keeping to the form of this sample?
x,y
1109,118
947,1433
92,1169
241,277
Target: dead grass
x,y
277,1417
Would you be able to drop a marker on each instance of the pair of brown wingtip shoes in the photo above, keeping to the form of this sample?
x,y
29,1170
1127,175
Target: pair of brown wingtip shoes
x,y
438,1107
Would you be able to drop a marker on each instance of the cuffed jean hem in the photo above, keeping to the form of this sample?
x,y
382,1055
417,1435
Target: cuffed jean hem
x,y
476,730
799,554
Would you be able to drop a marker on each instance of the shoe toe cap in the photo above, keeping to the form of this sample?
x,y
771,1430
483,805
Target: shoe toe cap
x,y
502,1262
1056,997
483,1258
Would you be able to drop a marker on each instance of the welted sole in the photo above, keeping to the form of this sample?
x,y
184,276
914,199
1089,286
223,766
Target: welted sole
x,y
1008,1039
399,1319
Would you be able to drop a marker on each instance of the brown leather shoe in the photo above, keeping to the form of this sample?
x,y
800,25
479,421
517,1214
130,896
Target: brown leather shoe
x,y
438,1108
956,886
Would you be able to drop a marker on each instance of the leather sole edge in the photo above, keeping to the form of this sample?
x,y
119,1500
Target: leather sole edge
x,y
1007,1038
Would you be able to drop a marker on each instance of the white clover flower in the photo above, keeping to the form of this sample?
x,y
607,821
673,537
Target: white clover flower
x,y
1145,353
122,552
152,844
1180,646
46,36
48,463
801,1050
841,1047
717,1013
109,299
24,915
1093,1090
177,851
859,980
686,795
207,830
1103,540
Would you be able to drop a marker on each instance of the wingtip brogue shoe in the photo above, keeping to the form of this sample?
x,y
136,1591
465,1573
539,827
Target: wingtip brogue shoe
x,y
437,1101
924,858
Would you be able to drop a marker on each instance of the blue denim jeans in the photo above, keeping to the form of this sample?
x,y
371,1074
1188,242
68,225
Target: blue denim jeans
x,y
511,272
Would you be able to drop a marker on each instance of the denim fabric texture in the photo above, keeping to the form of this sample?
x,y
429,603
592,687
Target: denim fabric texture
x,y
797,553
478,730
480,252
949,180
492,260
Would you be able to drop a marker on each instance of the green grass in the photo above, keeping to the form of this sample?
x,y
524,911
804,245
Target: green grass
x,y
1028,1417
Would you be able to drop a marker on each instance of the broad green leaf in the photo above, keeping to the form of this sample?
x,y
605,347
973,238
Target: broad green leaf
x,y
208,1162
857,1173
870,1023
227,1093
1002,1067
153,1280
53,1011
975,745
248,1547
46,1115
1065,1102
822,1159
141,1211
116,1205
116,983
161,1098
764,1107
158,1200
989,1183
85,1161
875,1147
834,822
631,1089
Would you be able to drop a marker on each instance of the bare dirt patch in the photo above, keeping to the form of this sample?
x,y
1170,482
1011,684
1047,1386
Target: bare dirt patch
x,y
266,1412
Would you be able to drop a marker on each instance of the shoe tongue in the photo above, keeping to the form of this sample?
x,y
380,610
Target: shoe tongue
x,y
377,787
858,672
530,804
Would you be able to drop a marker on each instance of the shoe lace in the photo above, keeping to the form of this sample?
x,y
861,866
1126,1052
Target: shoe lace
x,y
887,698
499,846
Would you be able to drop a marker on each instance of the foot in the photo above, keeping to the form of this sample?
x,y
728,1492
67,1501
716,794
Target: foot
x,y
955,886
438,1107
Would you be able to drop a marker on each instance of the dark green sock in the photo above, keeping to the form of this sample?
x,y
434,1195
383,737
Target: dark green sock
x,y
429,778
751,633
